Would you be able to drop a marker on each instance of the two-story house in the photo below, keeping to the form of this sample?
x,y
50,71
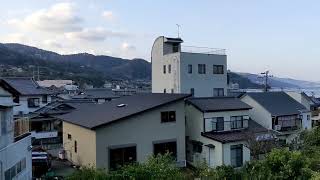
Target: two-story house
x,y
124,130
15,145
185,69
218,130
279,112
27,93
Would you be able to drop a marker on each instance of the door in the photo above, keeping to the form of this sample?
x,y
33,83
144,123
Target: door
x,y
122,156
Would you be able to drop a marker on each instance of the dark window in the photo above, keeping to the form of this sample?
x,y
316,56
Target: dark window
x,y
190,68
201,68
75,146
44,98
122,156
236,122
172,91
197,147
69,136
168,116
214,124
217,92
16,99
33,102
192,91
217,69
169,68
236,155
220,124
164,91
168,147
164,69
175,48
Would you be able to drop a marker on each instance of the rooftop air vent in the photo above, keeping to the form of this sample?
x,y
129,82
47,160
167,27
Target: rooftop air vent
x,y
121,105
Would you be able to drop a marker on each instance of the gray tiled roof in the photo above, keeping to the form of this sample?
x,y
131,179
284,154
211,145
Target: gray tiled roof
x,y
94,115
277,103
96,93
214,104
24,85
237,135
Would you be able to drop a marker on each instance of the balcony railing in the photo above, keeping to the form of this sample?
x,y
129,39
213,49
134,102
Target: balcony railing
x,y
21,126
288,125
203,50
229,125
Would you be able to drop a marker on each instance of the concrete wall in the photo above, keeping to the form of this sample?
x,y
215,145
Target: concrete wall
x,y
14,153
86,144
142,130
179,79
258,113
6,138
203,84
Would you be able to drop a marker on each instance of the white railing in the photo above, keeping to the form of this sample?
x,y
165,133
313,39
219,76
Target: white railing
x,y
203,50
44,134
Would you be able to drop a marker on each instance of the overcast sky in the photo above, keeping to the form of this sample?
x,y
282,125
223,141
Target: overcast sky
x,y
281,36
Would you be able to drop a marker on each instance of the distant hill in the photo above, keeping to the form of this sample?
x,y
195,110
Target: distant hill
x,y
23,60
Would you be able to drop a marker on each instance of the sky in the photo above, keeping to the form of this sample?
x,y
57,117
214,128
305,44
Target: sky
x,y
279,36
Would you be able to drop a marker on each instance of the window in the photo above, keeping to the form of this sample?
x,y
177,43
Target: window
x,y
15,170
218,92
69,136
192,91
44,98
201,68
217,69
168,116
122,156
164,91
214,124
167,147
236,155
308,117
33,102
75,146
169,68
16,99
190,68
175,48
172,91
236,122
197,147
164,69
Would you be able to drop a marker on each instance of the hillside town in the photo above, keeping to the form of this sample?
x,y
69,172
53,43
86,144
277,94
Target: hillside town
x,y
193,112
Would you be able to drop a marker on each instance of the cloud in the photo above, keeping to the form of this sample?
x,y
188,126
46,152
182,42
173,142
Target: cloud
x,y
15,38
52,43
95,34
60,17
127,47
108,15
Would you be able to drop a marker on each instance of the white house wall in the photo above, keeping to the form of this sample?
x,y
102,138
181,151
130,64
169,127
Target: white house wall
x,y
23,104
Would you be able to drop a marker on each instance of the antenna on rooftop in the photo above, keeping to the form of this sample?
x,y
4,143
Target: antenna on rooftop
x,y
178,26
266,77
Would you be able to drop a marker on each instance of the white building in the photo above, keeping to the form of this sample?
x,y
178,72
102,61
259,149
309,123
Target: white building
x,y
218,131
26,93
279,112
15,148
181,69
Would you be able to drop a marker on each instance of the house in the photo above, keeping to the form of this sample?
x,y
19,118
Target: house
x,y
279,112
184,69
218,130
124,130
27,93
99,95
15,144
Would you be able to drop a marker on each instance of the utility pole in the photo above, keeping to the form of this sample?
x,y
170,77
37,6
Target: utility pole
x,y
266,77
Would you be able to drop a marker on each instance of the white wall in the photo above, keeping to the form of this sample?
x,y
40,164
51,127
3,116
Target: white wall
x,y
203,84
258,113
12,154
300,98
23,104
142,130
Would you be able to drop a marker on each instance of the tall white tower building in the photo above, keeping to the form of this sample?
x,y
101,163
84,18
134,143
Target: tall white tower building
x,y
185,69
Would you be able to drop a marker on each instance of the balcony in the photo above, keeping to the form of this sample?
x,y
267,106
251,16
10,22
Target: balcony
x,y
229,125
287,125
203,50
21,126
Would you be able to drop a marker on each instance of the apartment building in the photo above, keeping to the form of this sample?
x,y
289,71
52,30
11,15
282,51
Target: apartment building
x,y
127,129
184,69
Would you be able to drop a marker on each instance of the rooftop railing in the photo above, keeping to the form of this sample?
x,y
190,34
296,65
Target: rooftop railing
x,y
203,50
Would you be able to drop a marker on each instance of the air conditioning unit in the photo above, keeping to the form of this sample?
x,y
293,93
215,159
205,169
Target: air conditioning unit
x,y
277,127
